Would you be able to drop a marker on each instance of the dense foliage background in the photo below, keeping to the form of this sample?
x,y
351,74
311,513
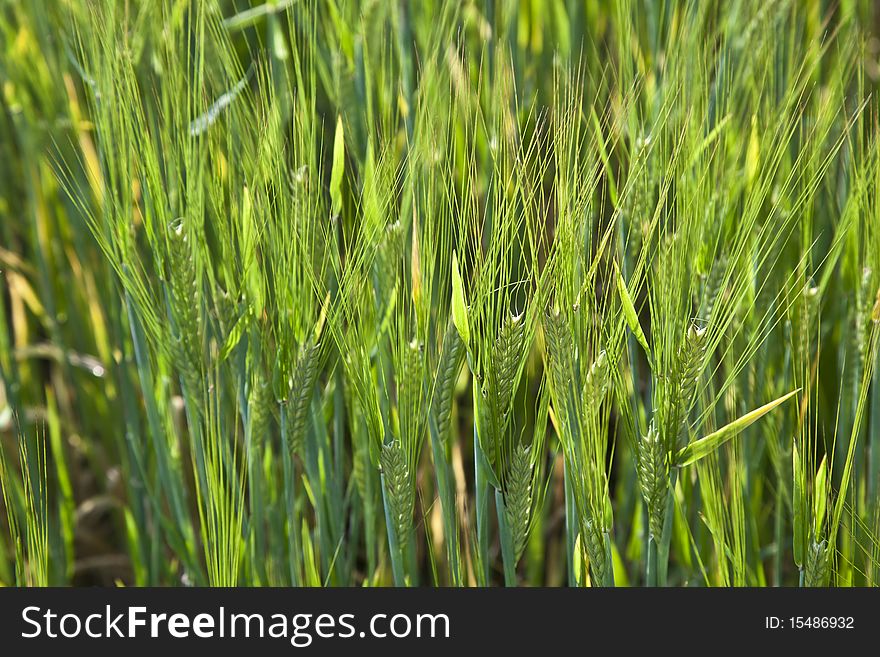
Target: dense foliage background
x,y
349,292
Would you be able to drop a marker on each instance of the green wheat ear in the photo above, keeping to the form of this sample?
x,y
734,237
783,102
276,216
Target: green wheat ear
x,y
451,360
653,471
594,543
259,410
862,320
518,497
560,349
498,385
691,356
390,255
399,488
817,568
508,354
410,389
488,438
712,288
596,383
186,346
358,468
305,374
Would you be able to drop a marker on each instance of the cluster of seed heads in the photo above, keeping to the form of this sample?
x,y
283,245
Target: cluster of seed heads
x,y
399,487
226,310
595,388
594,543
187,344
388,262
305,374
596,383
712,288
299,187
560,350
507,357
690,358
518,497
861,330
682,386
451,359
654,478
644,175
811,308
259,410
409,402
816,570
498,384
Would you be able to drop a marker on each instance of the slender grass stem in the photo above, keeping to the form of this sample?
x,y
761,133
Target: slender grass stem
x,y
446,490
874,444
651,563
571,528
778,528
482,492
258,515
508,555
291,495
609,561
396,554
666,539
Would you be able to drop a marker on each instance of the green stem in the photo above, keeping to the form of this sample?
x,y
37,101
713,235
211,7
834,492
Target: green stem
x,y
446,490
397,557
571,527
508,554
481,484
290,497
255,497
370,521
411,569
666,538
651,563
874,444
609,561
777,530
181,533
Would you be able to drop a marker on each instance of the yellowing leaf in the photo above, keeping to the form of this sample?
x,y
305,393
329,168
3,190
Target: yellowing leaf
x,y
459,307
753,151
415,261
704,446
820,498
875,313
319,327
21,288
338,170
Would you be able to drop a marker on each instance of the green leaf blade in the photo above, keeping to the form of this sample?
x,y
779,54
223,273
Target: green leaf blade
x,y
459,307
708,444
338,170
631,316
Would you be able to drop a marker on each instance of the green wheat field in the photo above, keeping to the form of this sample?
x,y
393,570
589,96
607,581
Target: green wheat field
x,y
439,293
